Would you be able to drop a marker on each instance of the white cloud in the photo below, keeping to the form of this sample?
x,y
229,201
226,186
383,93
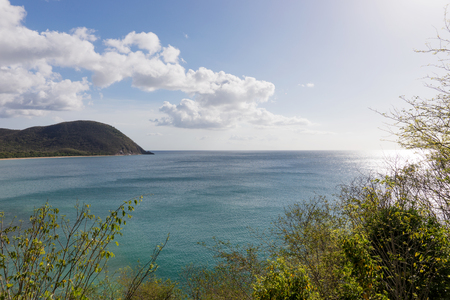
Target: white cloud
x,y
10,16
170,54
194,114
190,114
145,41
21,89
308,85
222,101
29,86
84,34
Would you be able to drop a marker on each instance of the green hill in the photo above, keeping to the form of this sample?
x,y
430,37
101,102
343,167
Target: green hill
x,y
67,139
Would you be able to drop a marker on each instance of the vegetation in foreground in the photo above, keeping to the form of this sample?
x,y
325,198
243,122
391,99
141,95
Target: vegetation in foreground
x,y
385,237
52,258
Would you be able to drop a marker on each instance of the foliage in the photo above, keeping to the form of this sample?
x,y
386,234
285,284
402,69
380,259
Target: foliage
x,y
284,282
50,257
231,278
383,240
424,125
151,288
61,152
405,245
140,274
309,232
201,282
413,251
361,273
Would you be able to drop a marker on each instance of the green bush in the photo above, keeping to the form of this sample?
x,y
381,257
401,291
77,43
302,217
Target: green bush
x,y
413,251
398,243
284,282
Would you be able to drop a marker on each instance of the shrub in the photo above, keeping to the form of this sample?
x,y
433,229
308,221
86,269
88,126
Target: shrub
x,y
284,282
151,288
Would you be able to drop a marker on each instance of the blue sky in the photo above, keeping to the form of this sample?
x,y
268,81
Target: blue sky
x,y
217,75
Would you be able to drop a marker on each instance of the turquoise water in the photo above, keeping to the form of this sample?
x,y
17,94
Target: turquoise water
x,y
194,196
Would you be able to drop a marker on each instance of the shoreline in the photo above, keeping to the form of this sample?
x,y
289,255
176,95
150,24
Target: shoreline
x,y
74,156
14,158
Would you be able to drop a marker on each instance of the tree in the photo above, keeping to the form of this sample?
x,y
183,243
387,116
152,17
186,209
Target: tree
x,y
425,124
51,257
397,244
309,232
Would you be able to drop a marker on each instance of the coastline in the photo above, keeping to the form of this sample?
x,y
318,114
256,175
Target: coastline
x,y
14,158
67,156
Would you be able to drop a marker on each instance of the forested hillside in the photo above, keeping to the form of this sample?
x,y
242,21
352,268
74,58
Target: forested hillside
x,y
67,139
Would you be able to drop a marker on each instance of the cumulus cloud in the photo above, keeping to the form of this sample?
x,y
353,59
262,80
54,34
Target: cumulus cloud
x,y
170,54
30,86
84,34
24,92
194,114
222,101
10,15
144,41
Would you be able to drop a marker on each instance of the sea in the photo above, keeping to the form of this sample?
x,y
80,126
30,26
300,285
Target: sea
x,y
190,196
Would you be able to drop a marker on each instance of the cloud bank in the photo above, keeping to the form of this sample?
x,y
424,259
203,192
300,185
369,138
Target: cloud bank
x,y
29,85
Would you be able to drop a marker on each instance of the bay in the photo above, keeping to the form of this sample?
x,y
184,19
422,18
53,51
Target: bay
x,y
193,195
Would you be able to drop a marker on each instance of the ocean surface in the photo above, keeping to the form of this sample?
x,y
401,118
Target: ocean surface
x,y
192,195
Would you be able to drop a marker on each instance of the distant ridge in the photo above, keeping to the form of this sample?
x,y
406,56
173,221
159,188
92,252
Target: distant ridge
x,y
82,138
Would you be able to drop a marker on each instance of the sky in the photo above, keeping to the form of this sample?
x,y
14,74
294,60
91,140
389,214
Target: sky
x,y
218,75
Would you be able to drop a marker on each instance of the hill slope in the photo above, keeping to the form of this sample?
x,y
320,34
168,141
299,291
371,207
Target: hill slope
x,y
68,138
